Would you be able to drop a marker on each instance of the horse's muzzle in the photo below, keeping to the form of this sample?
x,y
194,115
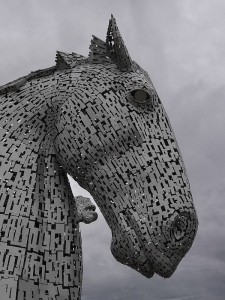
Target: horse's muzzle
x,y
167,243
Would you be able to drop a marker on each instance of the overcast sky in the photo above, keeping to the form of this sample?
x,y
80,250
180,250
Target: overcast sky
x,y
181,43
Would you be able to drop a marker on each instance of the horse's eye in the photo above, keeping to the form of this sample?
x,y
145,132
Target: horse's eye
x,y
140,96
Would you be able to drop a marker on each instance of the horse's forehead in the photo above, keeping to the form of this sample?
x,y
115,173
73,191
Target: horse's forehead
x,y
104,73
128,79
137,78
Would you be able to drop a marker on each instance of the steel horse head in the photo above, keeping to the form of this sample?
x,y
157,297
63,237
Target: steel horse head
x,y
100,120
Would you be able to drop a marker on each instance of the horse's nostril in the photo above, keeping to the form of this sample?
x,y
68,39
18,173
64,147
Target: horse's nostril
x,y
180,226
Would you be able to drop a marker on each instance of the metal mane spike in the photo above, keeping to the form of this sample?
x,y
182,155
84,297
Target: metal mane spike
x,y
116,48
68,60
98,53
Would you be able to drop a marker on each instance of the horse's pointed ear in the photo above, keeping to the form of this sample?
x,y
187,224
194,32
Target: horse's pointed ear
x,y
116,48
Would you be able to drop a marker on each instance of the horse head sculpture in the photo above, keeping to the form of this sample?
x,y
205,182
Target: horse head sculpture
x,y
100,120
126,155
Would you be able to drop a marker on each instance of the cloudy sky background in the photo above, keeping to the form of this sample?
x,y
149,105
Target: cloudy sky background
x,y
181,43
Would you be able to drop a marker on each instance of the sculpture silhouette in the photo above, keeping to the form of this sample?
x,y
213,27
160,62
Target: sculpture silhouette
x,y
100,120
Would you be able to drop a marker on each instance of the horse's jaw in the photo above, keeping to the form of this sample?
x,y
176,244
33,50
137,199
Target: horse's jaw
x,y
136,260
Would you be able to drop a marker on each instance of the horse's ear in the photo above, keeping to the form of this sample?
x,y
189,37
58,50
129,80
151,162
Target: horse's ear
x,y
116,48
111,51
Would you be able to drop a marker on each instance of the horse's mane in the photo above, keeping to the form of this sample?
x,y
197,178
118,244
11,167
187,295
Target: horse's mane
x,y
100,52
97,54
63,61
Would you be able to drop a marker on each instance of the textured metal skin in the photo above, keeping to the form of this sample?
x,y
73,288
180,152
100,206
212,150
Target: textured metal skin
x,y
100,120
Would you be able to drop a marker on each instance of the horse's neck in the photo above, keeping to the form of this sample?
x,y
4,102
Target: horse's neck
x,y
29,167
40,240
